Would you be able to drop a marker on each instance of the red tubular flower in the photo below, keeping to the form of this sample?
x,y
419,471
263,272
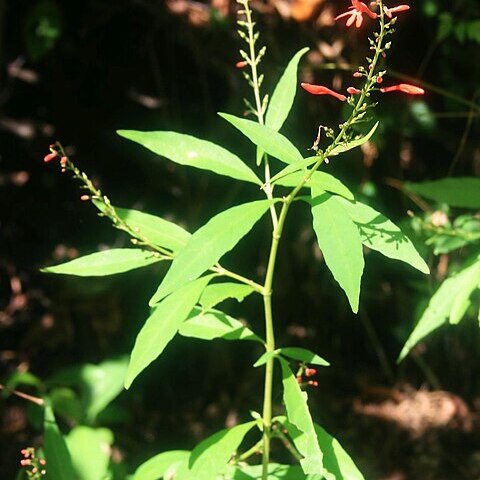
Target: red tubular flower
x,y
390,11
405,88
356,14
353,91
321,90
49,157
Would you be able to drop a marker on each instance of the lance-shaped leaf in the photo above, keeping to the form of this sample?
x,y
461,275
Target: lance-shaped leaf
x,y
56,452
191,151
211,456
340,243
268,139
344,147
463,192
218,292
298,414
443,305
276,471
162,325
108,262
337,463
215,324
157,230
293,168
90,451
209,243
282,98
160,465
294,353
382,235
321,180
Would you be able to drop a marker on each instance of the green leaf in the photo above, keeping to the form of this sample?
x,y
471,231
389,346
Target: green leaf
x,y
269,140
443,304
157,230
340,243
265,358
344,147
108,262
56,452
381,234
282,98
298,414
209,243
276,471
98,384
160,465
211,456
218,292
321,181
337,463
303,355
191,151
299,167
463,192
162,325
90,451
215,324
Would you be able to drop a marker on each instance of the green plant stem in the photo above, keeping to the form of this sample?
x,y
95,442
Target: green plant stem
x,y
137,237
276,236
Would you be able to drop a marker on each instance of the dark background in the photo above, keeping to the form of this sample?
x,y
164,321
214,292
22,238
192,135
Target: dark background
x,y
78,71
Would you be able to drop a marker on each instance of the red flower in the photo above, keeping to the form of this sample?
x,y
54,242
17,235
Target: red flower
x,y
405,88
390,11
353,91
321,90
241,64
49,157
356,13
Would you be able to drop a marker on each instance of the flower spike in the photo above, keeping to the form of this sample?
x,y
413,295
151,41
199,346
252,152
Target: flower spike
x,y
321,90
405,88
356,14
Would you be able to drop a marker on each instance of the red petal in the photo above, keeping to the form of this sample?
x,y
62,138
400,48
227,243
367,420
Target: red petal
x,y
321,90
405,88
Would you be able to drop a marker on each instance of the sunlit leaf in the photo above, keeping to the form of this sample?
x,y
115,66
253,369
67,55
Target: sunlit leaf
x,y
298,414
90,451
440,307
321,181
294,168
162,325
161,464
268,139
218,292
381,234
108,262
157,230
56,452
282,98
211,456
344,147
188,150
215,324
209,243
456,192
337,463
340,243
275,472
303,355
